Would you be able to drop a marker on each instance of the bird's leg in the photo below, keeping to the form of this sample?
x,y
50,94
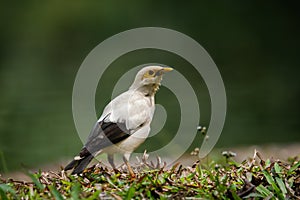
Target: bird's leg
x,y
125,159
110,158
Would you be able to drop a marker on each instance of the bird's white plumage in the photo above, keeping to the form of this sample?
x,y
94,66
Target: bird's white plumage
x,y
131,108
125,121
136,111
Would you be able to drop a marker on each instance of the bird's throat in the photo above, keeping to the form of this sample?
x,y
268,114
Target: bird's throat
x,y
149,90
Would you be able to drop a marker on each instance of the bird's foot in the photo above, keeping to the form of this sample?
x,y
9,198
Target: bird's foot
x,y
132,174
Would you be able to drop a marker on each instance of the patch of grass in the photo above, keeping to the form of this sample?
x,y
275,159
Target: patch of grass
x,y
254,178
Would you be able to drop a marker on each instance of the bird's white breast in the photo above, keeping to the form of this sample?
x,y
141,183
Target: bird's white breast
x,y
136,111
131,108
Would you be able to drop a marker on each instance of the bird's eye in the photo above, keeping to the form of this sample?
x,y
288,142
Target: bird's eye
x,y
151,72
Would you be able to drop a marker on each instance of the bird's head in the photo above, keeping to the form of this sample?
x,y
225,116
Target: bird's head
x,y
149,77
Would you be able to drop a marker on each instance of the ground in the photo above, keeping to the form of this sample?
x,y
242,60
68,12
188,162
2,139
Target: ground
x,y
257,176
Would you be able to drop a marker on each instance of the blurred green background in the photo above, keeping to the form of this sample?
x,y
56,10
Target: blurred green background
x,y
255,44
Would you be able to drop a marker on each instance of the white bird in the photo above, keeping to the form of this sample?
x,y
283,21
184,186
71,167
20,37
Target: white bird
x,y
124,123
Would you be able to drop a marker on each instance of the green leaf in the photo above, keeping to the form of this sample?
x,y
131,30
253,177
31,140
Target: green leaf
x,y
149,195
271,181
267,163
233,193
36,181
296,166
3,190
55,193
7,188
75,191
110,182
94,196
264,191
190,176
161,180
253,195
130,193
3,195
199,171
163,198
277,168
281,185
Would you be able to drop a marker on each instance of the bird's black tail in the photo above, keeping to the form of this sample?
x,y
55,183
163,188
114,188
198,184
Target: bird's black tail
x,y
79,165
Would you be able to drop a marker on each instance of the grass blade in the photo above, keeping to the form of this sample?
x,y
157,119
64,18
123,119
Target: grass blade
x,y
130,193
94,196
281,185
4,188
3,193
277,168
264,191
271,181
75,191
296,166
55,193
36,181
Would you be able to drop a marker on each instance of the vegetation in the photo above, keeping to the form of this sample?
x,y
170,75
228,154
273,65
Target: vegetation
x,y
254,178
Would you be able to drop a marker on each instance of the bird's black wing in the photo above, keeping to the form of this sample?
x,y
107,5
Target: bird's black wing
x,y
103,135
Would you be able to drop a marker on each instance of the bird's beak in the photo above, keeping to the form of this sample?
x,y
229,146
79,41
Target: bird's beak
x,y
167,69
